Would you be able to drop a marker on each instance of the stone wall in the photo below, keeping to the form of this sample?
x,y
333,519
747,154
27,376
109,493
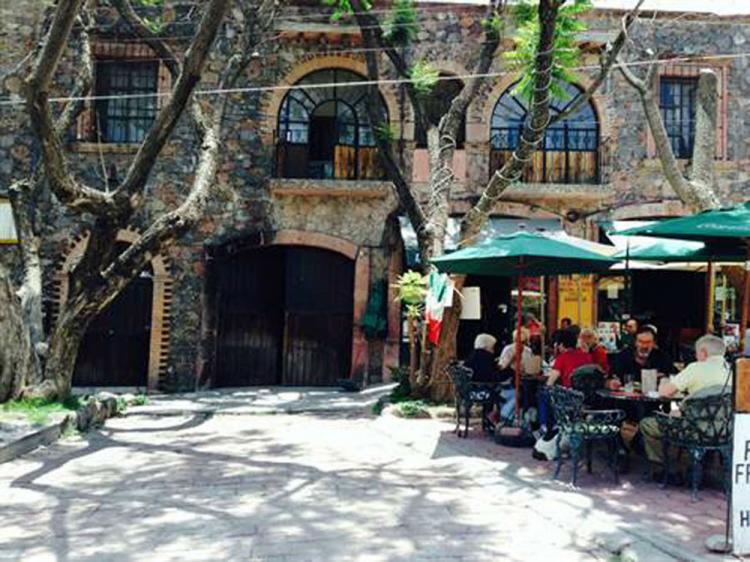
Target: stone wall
x,y
251,202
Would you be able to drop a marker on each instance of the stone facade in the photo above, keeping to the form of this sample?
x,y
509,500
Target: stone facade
x,y
361,214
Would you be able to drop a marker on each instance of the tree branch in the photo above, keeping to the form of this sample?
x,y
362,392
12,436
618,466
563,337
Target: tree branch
x,y
141,30
65,187
606,66
368,22
706,114
534,127
167,118
375,111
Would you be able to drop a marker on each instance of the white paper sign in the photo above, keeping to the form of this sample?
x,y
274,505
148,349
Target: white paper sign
x,y
471,306
741,485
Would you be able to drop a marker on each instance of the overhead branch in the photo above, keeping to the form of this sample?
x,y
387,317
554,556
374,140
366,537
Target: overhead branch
x,y
375,112
608,62
162,49
534,127
706,116
471,86
171,225
167,118
83,80
695,196
62,183
370,24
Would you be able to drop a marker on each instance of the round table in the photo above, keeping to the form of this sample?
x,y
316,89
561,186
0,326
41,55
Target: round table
x,y
638,403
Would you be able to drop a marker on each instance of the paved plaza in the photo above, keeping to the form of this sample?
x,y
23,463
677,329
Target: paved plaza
x,y
322,486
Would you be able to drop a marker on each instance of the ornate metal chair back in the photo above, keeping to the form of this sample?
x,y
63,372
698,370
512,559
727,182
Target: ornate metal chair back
x,y
567,404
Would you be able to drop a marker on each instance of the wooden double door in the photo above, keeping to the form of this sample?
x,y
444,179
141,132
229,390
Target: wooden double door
x,y
284,317
115,349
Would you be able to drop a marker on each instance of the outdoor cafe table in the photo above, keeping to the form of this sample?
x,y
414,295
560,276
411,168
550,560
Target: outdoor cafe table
x,y
636,404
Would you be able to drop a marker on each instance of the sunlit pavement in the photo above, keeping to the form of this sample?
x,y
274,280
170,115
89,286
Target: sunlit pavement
x,y
326,486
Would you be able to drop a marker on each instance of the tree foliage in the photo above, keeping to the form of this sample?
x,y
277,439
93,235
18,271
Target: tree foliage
x,y
565,49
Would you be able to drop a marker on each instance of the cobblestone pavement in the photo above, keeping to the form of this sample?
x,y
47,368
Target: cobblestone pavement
x,y
322,487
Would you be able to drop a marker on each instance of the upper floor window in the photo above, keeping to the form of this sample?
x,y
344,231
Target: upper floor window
x,y
677,104
324,131
569,152
126,102
436,105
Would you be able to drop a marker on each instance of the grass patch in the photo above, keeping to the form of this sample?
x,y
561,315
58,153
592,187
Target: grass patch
x,y
38,410
414,408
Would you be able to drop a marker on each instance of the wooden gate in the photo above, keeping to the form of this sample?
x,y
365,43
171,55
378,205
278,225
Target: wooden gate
x,y
284,316
115,349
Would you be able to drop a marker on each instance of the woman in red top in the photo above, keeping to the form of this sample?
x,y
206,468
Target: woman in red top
x,y
569,360
589,341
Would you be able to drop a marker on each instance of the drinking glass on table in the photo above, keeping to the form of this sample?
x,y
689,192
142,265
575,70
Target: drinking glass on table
x,y
628,381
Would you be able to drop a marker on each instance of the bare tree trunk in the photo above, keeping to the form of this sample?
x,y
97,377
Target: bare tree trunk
x,y
17,364
697,193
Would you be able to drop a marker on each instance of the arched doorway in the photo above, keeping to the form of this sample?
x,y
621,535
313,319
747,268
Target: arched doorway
x,y
143,307
115,350
284,316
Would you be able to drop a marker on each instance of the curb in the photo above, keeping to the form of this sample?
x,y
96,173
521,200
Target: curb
x,y
260,411
93,413
41,437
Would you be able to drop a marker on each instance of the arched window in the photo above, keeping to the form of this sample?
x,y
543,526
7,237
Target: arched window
x,y
324,131
569,152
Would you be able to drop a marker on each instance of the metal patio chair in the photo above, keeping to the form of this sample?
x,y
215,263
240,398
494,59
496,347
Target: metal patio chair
x,y
583,428
704,425
467,394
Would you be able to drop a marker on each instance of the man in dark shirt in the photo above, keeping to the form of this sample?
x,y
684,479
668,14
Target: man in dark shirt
x,y
644,355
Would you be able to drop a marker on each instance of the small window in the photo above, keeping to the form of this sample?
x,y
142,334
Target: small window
x,y
677,103
128,104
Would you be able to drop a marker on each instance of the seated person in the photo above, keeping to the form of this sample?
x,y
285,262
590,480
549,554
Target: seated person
x,y
709,369
482,362
588,341
530,365
710,372
645,355
508,354
569,359
628,333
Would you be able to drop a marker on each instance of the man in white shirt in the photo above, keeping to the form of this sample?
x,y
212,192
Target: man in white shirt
x,y
709,371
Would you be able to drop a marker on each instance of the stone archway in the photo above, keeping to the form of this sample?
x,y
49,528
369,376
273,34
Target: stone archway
x,y
158,352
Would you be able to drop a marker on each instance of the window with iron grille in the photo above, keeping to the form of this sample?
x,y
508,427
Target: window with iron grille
x,y
324,129
128,104
677,103
569,151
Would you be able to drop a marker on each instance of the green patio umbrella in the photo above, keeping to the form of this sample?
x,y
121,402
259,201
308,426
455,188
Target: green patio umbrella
x,y
523,254
727,227
676,251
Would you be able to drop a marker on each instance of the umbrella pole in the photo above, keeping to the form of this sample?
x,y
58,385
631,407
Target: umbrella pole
x,y
519,348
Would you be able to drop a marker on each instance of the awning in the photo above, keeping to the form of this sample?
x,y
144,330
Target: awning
x,y
495,226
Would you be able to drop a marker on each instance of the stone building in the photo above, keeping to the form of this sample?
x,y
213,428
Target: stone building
x,y
274,285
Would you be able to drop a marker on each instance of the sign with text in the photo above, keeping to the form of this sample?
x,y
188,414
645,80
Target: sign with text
x,y
576,299
741,485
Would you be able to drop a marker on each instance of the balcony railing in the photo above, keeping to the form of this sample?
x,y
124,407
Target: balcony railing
x,y
347,163
570,160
